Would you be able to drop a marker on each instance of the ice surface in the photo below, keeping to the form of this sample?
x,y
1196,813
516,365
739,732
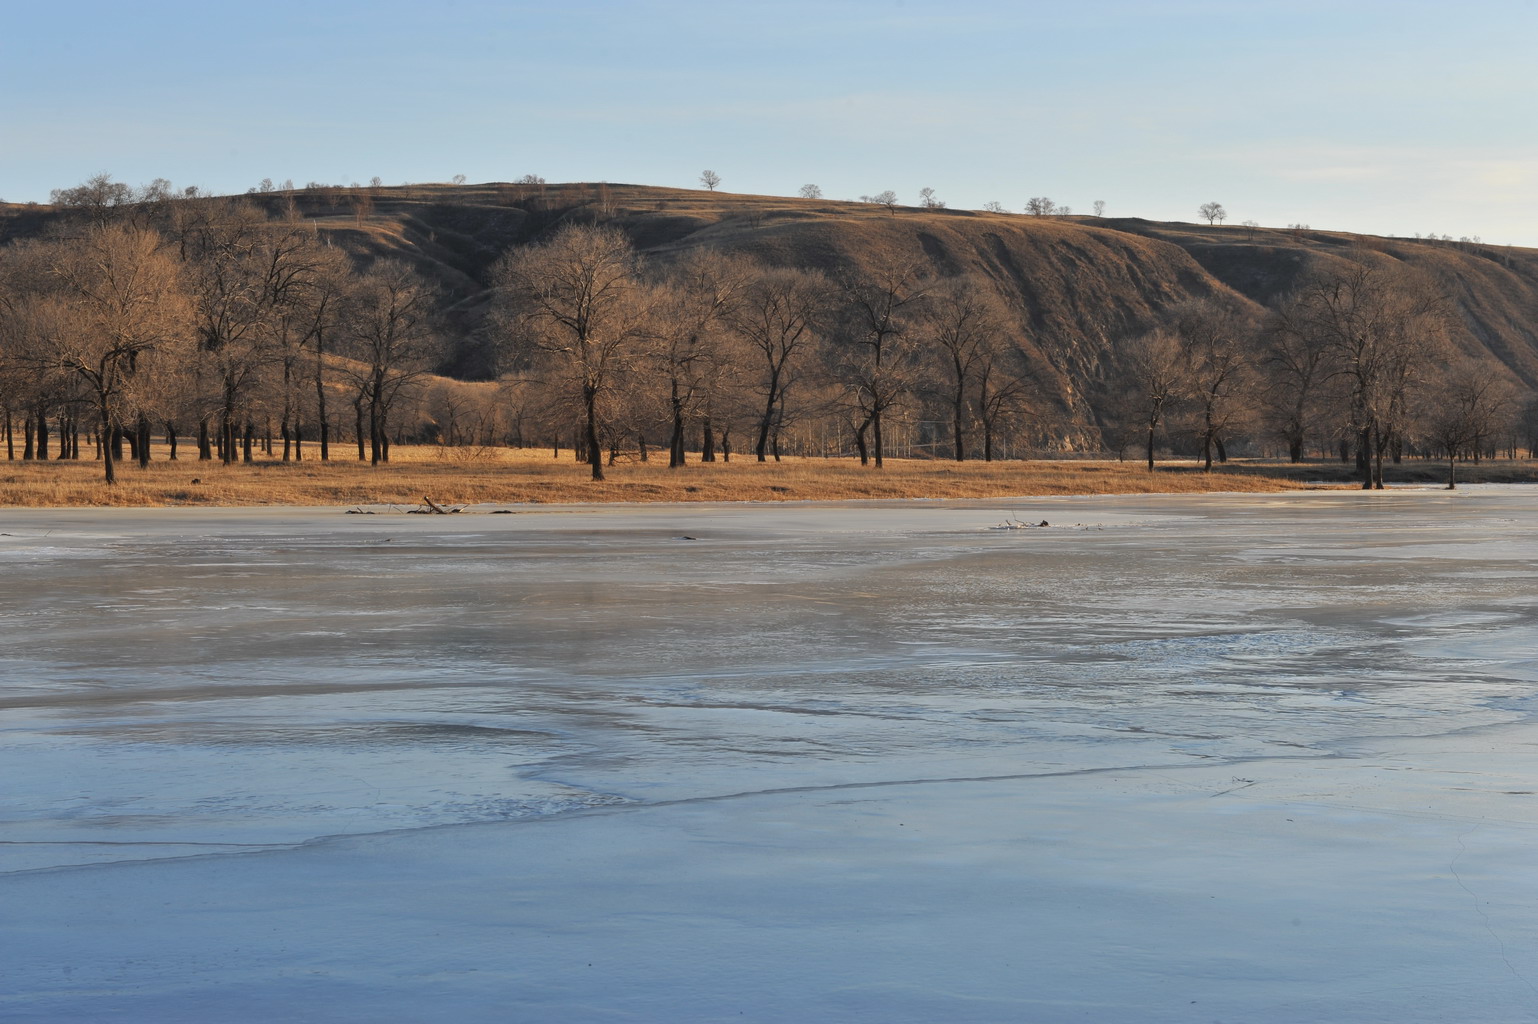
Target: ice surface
x,y
1244,758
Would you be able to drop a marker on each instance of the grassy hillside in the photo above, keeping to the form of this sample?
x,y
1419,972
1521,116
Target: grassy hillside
x,y
1076,286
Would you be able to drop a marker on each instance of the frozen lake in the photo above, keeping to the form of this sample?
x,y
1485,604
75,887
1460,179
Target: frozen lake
x,y
1169,759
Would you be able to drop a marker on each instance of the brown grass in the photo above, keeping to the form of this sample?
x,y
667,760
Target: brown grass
x,y
506,476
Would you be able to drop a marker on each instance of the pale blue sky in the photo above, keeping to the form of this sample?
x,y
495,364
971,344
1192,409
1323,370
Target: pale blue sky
x,y
1373,116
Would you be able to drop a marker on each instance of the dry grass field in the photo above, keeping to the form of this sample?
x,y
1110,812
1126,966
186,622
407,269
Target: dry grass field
x,y
463,476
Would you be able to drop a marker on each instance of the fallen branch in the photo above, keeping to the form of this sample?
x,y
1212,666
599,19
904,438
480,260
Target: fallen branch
x,y
431,507
1015,524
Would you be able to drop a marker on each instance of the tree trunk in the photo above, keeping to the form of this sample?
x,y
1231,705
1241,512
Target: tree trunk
x,y
590,430
375,438
227,439
1207,435
707,440
320,396
143,432
324,424
171,438
362,436
957,436
676,440
859,442
875,435
765,423
1375,461
108,459
42,435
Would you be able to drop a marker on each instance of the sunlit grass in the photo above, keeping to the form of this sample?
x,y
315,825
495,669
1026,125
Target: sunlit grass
x,y
510,476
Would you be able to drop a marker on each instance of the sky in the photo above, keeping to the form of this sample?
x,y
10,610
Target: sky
x,y
1403,117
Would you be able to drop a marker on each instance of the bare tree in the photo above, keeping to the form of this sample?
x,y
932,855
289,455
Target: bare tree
x,y
810,192
698,295
994,206
1219,371
962,320
1463,410
99,198
1213,213
33,320
390,335
327,303
1040,206
362,207
1473,400
875,366
302,300
575,299
458,179
114,300
1379,325
887,199
1155,366
929,201
710,179
234,262
1526,425
1295,360
778,315
1099,207
1003,387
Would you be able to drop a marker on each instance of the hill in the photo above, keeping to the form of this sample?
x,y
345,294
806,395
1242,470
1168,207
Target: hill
x,y
1075,285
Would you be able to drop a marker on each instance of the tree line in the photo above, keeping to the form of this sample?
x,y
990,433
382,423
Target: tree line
x,y
711,345
239,326
1356,363
200,316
